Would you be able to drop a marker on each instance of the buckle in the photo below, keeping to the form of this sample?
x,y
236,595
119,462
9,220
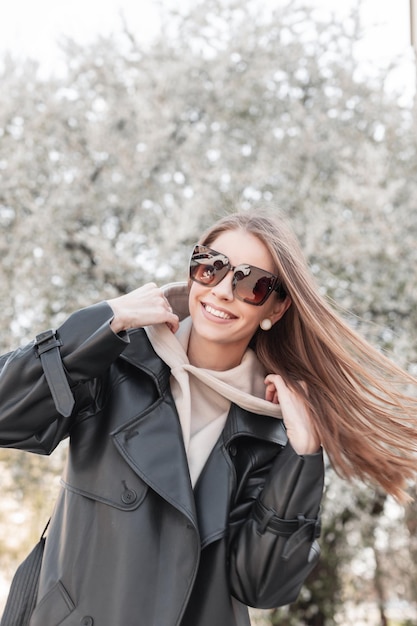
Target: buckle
x,y
315,524
317,528
46,341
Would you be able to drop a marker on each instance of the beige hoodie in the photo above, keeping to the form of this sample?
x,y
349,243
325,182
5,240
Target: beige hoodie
x,y
203,396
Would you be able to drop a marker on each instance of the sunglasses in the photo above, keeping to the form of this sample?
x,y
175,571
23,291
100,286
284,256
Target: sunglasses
x,y
250,284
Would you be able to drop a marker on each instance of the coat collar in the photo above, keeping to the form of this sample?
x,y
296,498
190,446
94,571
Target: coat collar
x,y
216,484
153,447
141,354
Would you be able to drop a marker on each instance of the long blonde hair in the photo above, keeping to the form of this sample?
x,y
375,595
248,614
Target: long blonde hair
x,y
356,395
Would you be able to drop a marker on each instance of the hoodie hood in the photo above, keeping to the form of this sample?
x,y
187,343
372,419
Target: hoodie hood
x,y
177,296
203,396
248,393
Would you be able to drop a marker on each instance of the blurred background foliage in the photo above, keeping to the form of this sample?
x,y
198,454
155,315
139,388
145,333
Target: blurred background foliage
x,y
110,172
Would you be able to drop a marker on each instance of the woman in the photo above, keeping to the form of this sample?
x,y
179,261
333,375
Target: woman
x,y
196,416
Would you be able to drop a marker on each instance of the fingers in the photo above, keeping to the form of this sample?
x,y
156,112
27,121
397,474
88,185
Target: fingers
x,y
173,326
173,321
271,393
300,428
144,306
277,390
273,383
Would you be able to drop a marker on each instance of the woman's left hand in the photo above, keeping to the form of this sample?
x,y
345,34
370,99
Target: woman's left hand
x,y
298,423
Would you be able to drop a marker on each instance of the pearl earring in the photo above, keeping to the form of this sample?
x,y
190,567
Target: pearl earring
x,y
266,324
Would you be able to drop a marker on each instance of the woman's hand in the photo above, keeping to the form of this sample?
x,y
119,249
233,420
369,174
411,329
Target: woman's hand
x,y
142,307
298,423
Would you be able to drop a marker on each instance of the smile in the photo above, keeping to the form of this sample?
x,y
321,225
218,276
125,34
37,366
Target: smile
x,y
221,314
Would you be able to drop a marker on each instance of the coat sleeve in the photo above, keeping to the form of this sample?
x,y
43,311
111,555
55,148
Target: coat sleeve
x,y
29,419
273,530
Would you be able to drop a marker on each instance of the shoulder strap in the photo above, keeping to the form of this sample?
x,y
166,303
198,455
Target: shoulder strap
x,y
23,592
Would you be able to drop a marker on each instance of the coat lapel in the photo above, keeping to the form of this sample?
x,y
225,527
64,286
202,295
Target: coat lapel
x,y
152,443
215,488
153,447
212,494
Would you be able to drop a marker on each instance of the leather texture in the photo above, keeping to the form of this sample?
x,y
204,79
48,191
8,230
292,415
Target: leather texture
x,y
24,588
130,541
48,345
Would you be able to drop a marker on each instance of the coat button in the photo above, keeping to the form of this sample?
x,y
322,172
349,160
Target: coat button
x,y
129,496
87,621
233,450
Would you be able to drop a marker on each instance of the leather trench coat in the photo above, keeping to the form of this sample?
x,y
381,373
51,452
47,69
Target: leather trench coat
x,y
130,542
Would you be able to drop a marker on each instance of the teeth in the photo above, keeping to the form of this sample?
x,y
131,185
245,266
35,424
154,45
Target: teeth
x,y
217,313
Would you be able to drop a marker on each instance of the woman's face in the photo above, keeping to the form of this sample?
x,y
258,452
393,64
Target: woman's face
x,y
223,325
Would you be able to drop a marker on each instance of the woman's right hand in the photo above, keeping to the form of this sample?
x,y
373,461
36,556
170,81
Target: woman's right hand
x,y
144,306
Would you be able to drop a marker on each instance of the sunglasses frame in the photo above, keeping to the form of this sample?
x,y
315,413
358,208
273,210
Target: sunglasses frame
x,y
220,274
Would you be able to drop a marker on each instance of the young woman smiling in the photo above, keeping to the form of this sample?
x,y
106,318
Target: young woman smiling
x,y
197,415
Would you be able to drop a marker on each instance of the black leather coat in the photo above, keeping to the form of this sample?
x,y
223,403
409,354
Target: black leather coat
x,y
130,542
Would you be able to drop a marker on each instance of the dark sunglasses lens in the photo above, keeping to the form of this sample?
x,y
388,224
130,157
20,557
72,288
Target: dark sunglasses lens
x,y
207,266
253,285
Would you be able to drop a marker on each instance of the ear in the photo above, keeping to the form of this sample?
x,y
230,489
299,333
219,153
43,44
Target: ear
x,y
279,309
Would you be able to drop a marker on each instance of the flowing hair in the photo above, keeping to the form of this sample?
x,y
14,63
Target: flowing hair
x,y
366,420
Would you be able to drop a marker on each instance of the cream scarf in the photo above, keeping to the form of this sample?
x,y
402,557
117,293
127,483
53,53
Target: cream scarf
x,y
203,396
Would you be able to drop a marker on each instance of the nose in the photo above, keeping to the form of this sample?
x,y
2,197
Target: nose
x,y
224,289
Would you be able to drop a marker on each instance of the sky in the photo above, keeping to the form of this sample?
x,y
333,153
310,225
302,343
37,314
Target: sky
x,y
34,28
